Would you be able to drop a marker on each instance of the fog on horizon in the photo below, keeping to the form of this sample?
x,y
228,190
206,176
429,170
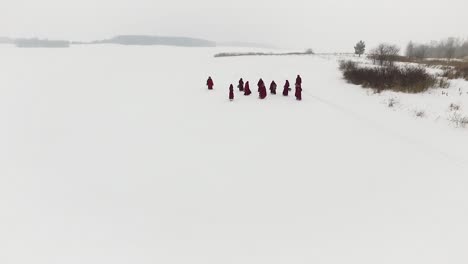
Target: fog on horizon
x,y
332,25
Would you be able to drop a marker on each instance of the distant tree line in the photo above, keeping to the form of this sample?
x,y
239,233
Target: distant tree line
x,y
237,54
449,48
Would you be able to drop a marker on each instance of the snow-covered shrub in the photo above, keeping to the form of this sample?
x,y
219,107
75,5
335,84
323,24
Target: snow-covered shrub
x,y
443,83
348,65
454,107
410,79
458,70
392,102
420,113
458,119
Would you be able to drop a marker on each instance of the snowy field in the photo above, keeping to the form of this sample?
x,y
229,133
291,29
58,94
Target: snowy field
x,y
120,155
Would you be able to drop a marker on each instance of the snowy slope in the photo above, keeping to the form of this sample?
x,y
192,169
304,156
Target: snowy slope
x,y
120,155
439,105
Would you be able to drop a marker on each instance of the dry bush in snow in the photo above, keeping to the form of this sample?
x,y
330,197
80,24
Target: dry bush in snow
x,y
392,102
459,71
458,119
409,79
420,113
443,83
454,107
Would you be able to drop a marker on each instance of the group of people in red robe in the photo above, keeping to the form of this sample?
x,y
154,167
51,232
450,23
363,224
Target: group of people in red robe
x,y
262,91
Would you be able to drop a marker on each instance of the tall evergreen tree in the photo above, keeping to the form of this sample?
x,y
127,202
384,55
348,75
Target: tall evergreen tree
x,y
360,48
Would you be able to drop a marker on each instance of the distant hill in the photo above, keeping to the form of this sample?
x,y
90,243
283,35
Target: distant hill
x,y
41,43
5,40
133,40
144,40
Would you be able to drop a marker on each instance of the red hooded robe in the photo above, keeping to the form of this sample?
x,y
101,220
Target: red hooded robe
x,y
210,83
286,88
231,92
247,89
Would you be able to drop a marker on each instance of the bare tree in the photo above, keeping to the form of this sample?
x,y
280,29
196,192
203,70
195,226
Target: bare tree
x,y
450,47
410,50
384,54
420,51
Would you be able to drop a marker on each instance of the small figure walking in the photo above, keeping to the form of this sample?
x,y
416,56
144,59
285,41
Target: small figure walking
x,y
273,87
210,83
298,93
286,88
247,91
241,85
231,92
261,89
298,81
260,83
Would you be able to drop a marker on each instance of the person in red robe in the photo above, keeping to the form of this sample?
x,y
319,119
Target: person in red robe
x,y
210,83
247,91
286,88
260,83
298,92
231,92
299,81
241,85
273,87
262,92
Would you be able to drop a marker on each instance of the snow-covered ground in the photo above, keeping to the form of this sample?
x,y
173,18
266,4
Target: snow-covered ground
x,y
113,154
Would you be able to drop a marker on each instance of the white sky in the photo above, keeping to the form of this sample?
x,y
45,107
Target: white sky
x,y
324,25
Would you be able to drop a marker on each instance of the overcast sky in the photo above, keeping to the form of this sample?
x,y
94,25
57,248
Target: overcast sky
x,y
328,25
